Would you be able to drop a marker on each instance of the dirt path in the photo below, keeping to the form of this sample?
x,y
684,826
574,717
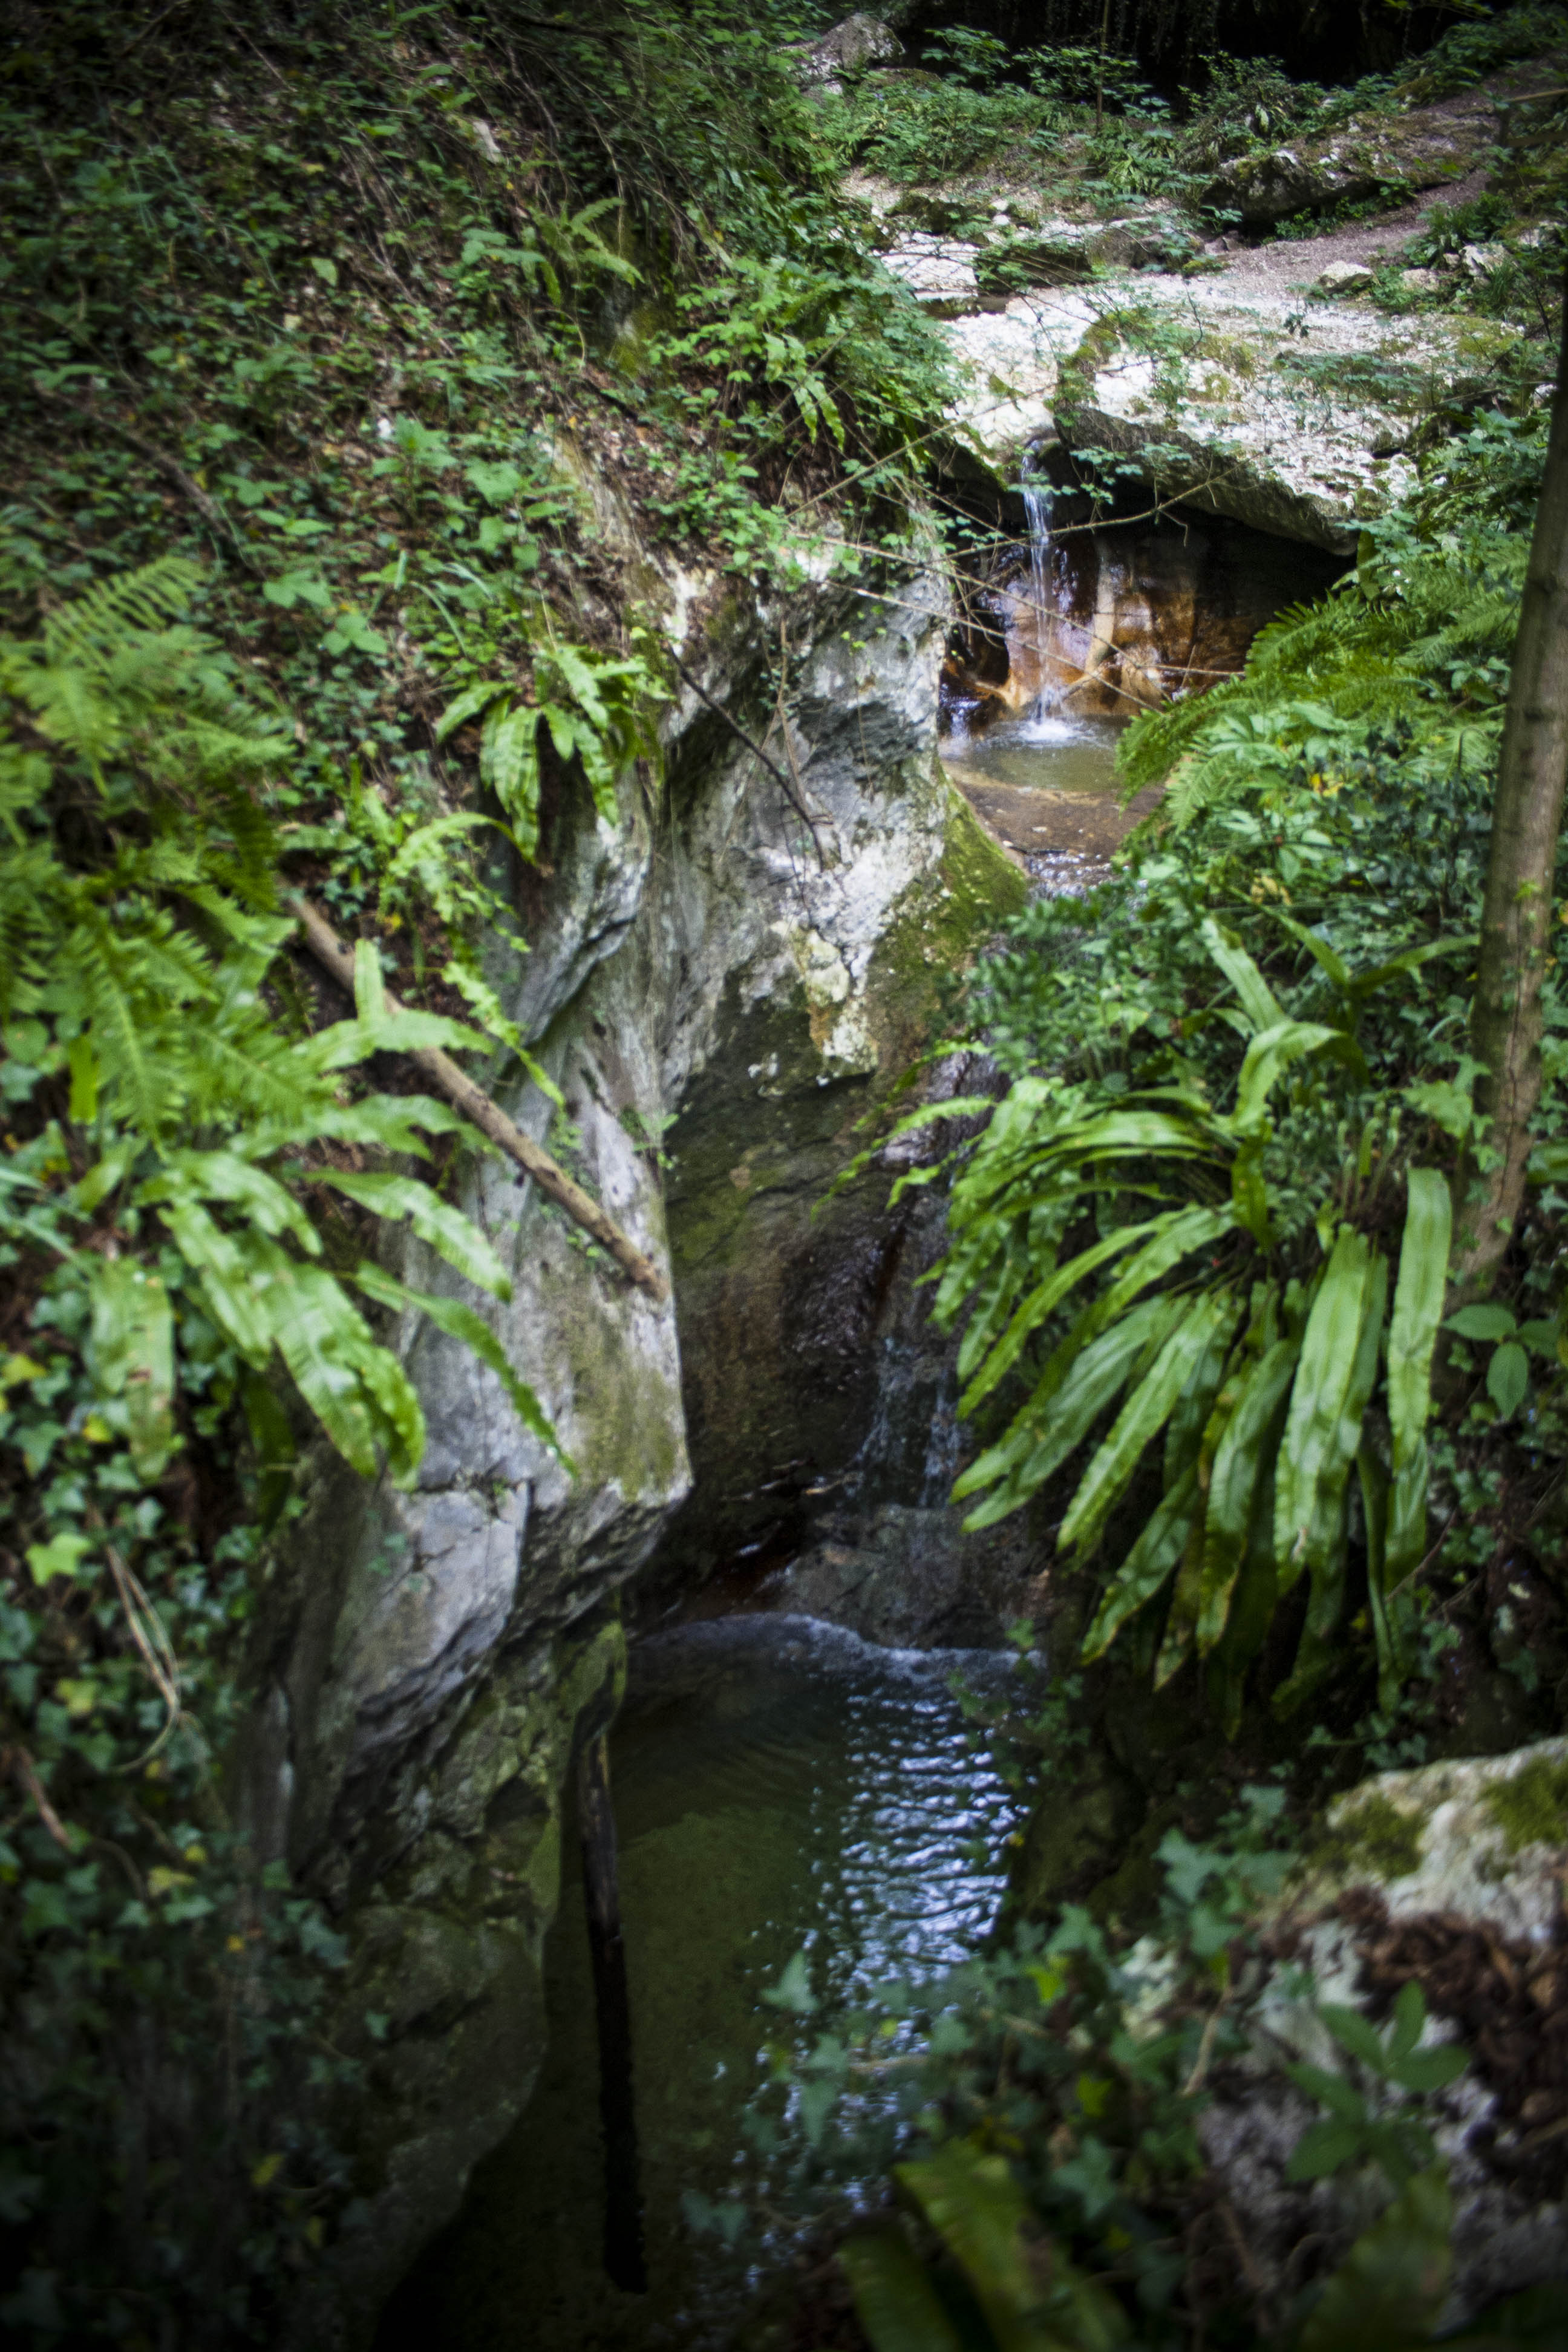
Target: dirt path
x,y
1283,263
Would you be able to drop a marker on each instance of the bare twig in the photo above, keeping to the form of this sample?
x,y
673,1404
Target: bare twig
x,y
26,1772
1205,2048
336,957
156,1650
784,783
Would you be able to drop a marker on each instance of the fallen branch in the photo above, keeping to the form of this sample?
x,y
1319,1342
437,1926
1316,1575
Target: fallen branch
x,y
336,957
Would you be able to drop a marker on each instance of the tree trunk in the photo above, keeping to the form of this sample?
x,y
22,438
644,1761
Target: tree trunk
x,y
1505,1024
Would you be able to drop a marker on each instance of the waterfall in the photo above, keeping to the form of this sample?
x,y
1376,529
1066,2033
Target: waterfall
x,y
1038,497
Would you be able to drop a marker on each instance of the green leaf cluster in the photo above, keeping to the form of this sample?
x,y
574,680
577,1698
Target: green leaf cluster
x,y
140,968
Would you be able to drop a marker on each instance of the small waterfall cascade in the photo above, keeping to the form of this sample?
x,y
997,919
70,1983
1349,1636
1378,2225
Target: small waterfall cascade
x,y
1039,499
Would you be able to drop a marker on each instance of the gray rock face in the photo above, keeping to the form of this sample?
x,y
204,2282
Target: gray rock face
x,y
432,1658
1425,147
861,40
1246,399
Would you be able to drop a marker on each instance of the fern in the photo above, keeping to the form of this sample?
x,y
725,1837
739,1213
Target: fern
x,y
1417,643
141,970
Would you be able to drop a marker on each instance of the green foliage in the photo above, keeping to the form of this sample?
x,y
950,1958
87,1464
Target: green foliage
x,y
1038,2110
316,350
172,1144
173,1998
1261,1381
595,709
1354,2132
1323,682
1209,1216
138,968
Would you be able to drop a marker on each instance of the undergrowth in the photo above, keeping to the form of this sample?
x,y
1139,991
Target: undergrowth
x,y
366,375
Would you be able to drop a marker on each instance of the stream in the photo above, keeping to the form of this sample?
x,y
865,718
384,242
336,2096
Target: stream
x,y
781,1785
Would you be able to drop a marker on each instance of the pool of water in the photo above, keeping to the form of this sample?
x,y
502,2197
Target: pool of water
x,y
1050,754
780,1787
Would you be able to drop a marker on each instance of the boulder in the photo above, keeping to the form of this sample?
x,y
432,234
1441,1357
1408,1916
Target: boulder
x,y
1450,1876
861,41
1344,277
1425,148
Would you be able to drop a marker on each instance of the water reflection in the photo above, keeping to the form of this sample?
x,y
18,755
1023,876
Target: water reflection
x,y
780,1785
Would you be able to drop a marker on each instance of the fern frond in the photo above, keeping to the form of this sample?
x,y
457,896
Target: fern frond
x,y
94,626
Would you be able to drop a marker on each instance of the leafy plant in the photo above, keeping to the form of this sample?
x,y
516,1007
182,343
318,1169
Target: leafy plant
x,y
1354,2131
138,972
1260,1380
595,708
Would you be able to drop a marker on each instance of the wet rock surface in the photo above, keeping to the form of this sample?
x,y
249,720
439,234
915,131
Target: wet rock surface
x,y
432,1660
1066,840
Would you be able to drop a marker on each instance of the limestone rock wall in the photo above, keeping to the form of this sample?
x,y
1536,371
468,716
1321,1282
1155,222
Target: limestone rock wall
x,y
430,1661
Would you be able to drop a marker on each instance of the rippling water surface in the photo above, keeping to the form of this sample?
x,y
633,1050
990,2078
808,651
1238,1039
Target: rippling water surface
x,y
1054,753
779,1786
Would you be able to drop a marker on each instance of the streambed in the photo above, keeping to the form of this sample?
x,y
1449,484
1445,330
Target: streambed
x,y
781,1785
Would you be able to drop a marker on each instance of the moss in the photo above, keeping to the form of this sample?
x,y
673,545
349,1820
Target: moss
x,y
942,924
1374,1839
1531,1807
631,1437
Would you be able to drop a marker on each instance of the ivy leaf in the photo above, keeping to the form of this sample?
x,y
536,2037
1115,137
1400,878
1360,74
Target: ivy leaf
x,y
1508,1377
62,1556
793,1991
291,588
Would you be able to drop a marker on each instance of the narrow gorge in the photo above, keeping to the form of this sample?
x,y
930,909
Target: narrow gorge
x,y
681,538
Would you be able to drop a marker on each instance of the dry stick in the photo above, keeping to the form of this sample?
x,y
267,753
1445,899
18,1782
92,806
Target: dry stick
x,y
771,764
336,957
153,1641
26,1772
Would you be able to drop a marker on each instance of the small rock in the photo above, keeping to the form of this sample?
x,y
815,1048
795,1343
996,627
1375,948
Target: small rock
x,y
1345,278
1484,260
1420,281
861,40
